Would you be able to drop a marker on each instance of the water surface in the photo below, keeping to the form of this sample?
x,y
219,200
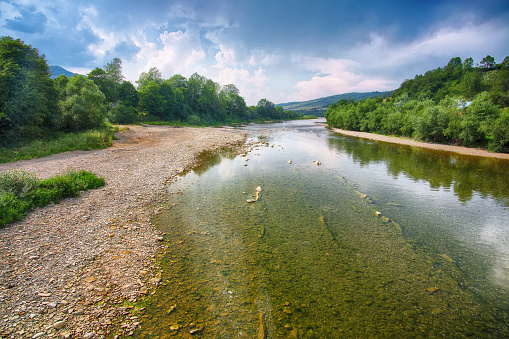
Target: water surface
x,y
377,240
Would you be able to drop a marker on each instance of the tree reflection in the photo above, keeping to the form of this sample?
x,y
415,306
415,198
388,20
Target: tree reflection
x,y
464,175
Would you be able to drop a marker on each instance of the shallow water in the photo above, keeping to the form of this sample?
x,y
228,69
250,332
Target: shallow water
x,y
379,240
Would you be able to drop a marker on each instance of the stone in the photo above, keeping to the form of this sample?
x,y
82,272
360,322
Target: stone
x,y
37,335
171,309
250,201
59,325
174,327
433,290
45,295
90,279
155,280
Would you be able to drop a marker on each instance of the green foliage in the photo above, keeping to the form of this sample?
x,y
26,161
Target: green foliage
x,y
57,143
33,106
500,141
83,107
27,96
434,107
20,192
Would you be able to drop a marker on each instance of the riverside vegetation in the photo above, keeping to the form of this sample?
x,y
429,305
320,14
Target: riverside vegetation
x,y
33,106
457,104
20,192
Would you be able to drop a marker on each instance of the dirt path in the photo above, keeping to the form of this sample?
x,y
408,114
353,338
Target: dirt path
x,y
67,270
410,142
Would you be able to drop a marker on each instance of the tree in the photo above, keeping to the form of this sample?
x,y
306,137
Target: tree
x,y
27,95
488,62
153,74
83,107
468,63
265,109
127,94
178,81
151,101
60,83
114,75
102,81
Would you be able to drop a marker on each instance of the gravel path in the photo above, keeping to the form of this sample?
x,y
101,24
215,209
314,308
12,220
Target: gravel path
x,y
67,270
410,142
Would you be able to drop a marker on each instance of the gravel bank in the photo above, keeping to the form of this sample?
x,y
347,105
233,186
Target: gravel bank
x,y
405,141
67,269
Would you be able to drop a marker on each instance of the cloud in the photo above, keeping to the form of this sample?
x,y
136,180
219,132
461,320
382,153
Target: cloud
x,y
381,64
229,69
27,20
334,76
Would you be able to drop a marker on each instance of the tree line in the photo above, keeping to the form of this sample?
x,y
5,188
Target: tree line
x,y
33,105
456,104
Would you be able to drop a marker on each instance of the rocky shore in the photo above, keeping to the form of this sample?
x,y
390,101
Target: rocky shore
x,y
439,147
70,270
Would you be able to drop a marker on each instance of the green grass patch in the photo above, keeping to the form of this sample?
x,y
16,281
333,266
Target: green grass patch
x,y
58,143
21,192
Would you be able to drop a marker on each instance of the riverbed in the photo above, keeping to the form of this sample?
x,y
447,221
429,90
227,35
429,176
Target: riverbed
x,y
311,234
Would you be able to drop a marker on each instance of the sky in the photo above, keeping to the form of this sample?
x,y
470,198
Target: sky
x,y
278,50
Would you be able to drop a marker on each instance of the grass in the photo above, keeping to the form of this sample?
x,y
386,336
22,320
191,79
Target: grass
x,y
58,143
21,192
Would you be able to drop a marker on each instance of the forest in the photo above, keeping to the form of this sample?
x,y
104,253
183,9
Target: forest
x,y
32,105
459,104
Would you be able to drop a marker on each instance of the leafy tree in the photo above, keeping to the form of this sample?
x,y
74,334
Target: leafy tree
x,y
127,94
500,141
178,81
114,75
266,109
27,95
153,74
468,63
150,100
60,84
103,82
83,107
488,62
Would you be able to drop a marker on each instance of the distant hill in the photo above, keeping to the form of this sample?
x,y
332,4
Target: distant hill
x,y
320,105
57,71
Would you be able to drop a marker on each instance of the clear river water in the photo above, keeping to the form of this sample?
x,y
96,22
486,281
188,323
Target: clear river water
x,y
346,237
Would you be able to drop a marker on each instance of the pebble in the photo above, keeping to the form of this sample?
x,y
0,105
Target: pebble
x,y
68,242
59,325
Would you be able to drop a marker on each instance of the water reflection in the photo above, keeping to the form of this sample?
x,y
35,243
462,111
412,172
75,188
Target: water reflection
x,y
465,175
323,253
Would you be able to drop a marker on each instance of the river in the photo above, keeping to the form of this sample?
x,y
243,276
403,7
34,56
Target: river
x,y
345,238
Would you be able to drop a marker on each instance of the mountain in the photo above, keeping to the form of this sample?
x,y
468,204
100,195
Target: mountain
x,y
57,70
321,104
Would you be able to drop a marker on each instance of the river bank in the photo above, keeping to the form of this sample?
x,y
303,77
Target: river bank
x,y
71,269
439,147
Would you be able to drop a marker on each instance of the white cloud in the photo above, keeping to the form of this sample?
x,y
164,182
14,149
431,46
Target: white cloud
x,y
334,76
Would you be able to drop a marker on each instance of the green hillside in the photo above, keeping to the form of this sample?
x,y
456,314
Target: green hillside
x,y
56,71
456,104
327,101
319,106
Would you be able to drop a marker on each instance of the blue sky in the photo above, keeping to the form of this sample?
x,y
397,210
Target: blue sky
x,y
280,50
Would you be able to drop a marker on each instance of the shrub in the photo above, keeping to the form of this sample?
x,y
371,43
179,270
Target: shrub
x,y
20,192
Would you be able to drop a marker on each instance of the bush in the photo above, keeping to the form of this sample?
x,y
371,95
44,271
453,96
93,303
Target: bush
x,y
500,141
20,192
